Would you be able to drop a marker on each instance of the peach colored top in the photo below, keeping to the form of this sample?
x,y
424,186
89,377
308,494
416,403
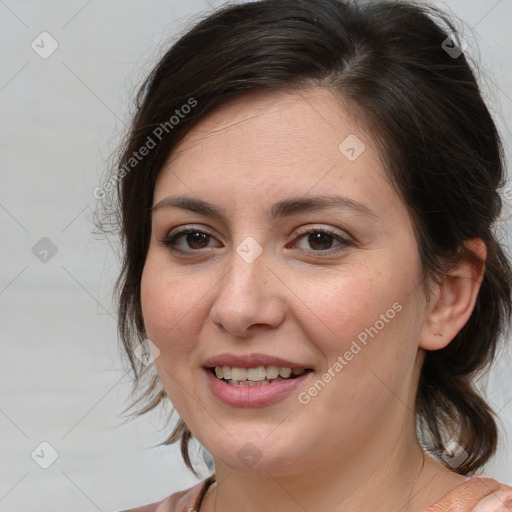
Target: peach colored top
x,y
476,494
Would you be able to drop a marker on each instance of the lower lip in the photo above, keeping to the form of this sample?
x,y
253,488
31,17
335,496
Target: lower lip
x,y
252,396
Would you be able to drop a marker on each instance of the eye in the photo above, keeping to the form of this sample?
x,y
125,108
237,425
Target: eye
x,y
193,238
321,240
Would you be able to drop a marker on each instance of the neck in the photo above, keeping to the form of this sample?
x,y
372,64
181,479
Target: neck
x,y
379,477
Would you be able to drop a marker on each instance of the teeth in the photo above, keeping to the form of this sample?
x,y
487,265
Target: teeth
x,y
272,372
256,374
226,370
238,373
285,372
247,383
259,375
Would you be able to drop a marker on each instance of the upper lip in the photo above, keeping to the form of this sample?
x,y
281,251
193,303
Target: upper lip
x,y
251,361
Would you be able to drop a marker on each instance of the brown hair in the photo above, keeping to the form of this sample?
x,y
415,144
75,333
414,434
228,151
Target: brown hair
x,y
390,60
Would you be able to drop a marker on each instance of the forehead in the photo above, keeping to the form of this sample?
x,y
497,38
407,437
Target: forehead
x,y
286,142
272,123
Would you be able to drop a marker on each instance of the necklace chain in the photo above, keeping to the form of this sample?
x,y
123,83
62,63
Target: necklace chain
x,y
418,475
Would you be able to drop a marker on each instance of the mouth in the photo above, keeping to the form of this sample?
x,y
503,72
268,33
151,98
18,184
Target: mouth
x,y
254,380
256,376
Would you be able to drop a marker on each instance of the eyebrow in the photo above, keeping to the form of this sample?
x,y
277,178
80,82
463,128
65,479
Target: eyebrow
x,y
281,209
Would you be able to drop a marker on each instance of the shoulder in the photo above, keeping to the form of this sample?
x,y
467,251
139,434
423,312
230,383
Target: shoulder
x,y
181,501
477,494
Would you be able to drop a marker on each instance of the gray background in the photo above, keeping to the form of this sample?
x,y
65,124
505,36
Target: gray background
x,y
62,380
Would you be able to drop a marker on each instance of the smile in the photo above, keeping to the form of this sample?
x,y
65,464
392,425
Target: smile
x,y
256,376
252,387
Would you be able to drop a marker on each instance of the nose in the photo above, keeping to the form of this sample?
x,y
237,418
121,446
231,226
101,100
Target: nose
x,y
249,297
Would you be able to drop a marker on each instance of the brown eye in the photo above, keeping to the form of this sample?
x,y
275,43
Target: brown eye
x,y
318,240
188,240
197,240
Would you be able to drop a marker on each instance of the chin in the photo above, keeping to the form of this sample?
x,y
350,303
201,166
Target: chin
x,y
255,454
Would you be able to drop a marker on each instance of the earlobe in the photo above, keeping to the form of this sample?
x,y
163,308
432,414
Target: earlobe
x,y
454,298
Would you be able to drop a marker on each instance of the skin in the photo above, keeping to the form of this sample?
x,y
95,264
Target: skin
x,y
353,446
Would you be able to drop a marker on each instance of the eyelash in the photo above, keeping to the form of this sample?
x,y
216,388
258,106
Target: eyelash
x,y
170,241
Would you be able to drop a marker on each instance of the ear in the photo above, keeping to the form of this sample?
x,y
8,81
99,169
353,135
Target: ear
x,y
453,300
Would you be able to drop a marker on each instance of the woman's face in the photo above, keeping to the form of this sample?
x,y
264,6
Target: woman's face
x,y
271,280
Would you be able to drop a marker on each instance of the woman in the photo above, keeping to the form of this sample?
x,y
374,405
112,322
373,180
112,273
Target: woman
x,y
306,201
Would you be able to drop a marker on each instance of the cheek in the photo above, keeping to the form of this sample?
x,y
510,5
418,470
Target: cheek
x,y
366,324
167,309
168,303
348,305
